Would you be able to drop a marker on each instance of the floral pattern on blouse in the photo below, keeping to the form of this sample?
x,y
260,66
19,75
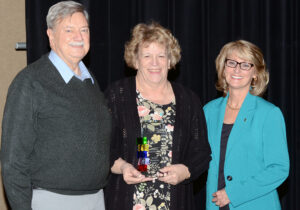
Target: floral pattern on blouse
x,y
157,124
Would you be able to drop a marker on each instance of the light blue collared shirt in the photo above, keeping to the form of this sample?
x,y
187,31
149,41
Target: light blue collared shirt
x,y
65,71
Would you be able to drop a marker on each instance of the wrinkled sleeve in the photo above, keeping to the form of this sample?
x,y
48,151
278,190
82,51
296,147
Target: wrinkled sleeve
x,y
198,155
115,146
276,163
18,137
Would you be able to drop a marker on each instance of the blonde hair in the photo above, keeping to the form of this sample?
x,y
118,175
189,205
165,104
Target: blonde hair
x,y
250,52
147,34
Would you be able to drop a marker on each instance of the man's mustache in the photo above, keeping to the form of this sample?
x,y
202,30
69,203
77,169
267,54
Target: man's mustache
x,y
76,43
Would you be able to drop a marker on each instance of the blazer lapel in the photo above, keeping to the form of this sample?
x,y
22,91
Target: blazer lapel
x,y
242,122
220,112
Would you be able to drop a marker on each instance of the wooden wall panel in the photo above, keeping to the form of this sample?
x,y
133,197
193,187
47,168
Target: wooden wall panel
x,y
12,30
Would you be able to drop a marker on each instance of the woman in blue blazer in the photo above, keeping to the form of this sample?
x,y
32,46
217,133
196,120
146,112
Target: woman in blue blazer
x,y
246,134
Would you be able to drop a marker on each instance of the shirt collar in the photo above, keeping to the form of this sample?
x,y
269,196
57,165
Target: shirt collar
x,y
65,71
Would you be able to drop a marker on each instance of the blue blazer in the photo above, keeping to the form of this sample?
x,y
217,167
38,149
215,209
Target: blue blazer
x,y
256,160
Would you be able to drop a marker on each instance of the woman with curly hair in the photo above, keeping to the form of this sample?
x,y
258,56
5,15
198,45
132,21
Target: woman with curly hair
x,y
169,115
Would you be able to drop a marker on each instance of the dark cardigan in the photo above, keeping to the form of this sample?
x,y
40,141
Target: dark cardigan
x,y
190,145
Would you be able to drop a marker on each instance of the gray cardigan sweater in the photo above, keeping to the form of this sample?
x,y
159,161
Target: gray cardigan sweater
x,y
55,135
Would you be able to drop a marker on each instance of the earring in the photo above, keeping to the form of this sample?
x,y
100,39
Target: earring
x,y
253,83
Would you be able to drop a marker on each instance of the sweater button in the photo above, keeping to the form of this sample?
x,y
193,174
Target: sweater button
x,y
229,178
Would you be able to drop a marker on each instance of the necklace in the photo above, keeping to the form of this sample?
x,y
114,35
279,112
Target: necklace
x,y
233,108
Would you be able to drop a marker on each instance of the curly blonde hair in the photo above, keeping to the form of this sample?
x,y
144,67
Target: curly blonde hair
x,y
147,34
248,51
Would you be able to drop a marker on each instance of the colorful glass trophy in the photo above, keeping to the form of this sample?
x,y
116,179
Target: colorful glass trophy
x,y
142,153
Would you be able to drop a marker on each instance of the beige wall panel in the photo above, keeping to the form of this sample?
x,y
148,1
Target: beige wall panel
x,y
12,30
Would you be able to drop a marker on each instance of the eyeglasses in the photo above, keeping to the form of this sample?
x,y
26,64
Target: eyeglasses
x,y
243,65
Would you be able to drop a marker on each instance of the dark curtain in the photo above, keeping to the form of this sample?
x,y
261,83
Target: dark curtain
x,y
202,28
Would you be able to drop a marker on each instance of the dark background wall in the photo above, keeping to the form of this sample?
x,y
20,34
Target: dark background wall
x,y
202,28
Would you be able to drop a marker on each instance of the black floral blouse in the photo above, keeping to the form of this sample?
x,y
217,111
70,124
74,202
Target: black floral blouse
x,y
157,124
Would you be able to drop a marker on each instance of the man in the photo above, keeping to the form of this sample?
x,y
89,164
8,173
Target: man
x,y
56,126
